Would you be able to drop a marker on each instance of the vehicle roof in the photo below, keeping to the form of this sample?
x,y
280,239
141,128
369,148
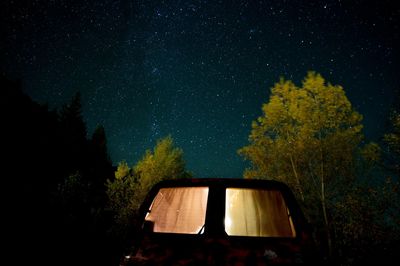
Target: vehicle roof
x,y
222,182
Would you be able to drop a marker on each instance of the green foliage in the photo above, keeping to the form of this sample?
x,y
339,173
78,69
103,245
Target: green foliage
x,y
366,219
73,189
121,193
371,152
391,162
165,162
309,138
392,140
305,132
123,170
127,191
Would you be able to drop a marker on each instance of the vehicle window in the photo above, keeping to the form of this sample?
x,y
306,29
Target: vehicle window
x,y
179,210
256,212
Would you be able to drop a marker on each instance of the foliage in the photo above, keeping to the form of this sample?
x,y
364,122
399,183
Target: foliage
x,y
165,162
121,192
391,163
296,124
392,139
72,189
307,137
127,191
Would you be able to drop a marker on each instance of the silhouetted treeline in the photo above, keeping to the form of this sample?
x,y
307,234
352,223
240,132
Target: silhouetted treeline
x,y
56,206
54,183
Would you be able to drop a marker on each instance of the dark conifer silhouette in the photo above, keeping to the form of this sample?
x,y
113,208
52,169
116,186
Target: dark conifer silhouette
x,y
55,181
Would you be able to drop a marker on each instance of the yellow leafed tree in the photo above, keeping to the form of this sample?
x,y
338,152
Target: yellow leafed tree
x,y
127,191
306,137
164,162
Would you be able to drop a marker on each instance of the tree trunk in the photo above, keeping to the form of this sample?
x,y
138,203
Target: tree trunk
x,y
323,204
327,229
297,178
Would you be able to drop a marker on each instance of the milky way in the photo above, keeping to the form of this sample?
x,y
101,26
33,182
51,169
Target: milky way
x,y
198,70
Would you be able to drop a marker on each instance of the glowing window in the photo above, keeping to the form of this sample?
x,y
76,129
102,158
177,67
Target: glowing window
x,y
179,210
256,212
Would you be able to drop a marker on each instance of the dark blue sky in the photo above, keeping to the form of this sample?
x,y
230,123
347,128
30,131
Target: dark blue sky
x,y
198,70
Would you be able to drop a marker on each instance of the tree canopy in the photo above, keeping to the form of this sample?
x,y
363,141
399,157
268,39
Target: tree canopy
x,y
307,131
392,139
131,184
308,137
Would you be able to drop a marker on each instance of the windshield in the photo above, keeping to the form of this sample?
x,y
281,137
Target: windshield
x,y
256,212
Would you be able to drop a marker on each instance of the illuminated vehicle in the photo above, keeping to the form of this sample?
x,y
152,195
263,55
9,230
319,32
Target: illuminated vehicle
x,y
221,222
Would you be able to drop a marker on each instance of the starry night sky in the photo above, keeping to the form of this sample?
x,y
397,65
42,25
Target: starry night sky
x,y
198,70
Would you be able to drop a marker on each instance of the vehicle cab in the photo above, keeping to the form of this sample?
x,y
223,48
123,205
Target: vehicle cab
x,y
221,222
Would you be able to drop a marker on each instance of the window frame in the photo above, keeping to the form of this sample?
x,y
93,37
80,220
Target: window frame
x,y
288,211
215,210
